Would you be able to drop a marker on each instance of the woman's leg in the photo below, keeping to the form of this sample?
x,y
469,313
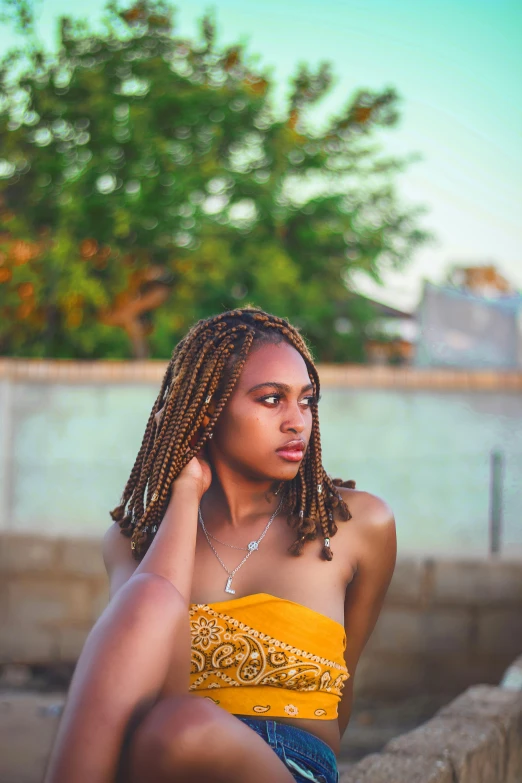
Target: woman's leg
x,y
188,739
119,676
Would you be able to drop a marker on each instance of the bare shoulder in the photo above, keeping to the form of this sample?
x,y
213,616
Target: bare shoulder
x,y
117,556
115,546
373,522
366,508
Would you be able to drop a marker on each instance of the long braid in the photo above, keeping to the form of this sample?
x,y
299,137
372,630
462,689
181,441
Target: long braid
x,y
206,365
177,400
119,512
190,400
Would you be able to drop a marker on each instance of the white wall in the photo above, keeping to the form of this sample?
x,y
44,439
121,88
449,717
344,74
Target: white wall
x,y
67,447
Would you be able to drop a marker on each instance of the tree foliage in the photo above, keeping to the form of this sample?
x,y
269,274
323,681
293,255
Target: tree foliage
x,y
146,181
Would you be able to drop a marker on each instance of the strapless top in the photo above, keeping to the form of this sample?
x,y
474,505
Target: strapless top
x,y
263,655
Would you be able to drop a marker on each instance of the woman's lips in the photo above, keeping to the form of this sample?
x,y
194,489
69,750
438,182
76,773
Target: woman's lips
x,y
292,453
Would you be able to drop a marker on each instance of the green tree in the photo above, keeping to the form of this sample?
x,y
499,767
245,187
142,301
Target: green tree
x,y
147,181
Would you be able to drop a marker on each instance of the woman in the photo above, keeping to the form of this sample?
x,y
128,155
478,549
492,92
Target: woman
x,y
228,650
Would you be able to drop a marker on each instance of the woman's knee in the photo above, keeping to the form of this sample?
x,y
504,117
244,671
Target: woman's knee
x,y
178,734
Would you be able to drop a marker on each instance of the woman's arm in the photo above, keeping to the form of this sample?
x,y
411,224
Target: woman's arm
x,y
365,594
138,641
171,553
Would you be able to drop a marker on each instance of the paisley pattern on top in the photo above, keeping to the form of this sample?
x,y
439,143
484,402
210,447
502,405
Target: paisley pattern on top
x,y
228,653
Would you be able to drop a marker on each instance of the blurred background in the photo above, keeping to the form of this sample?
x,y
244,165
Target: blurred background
x,y
355,167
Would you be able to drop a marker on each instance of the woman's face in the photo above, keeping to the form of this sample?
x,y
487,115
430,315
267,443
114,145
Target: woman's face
x,y
265,427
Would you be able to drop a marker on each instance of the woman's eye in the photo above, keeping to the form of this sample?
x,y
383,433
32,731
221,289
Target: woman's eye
x,y
271,397
307,401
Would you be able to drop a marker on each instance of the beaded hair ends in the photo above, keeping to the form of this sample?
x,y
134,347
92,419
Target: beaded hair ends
x,y
197,384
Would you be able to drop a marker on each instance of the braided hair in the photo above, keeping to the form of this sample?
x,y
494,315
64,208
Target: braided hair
x,y
205,366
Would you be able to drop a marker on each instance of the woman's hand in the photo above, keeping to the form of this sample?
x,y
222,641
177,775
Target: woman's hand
x,y
197,474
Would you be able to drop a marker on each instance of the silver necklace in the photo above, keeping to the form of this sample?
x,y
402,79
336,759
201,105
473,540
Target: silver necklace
x,y
252,547
232,546
252,544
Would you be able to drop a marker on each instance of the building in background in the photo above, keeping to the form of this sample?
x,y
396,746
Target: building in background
x,y
473,321
392,336
481,280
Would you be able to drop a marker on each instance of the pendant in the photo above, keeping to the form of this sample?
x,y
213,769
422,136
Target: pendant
x,y
252,546
228,586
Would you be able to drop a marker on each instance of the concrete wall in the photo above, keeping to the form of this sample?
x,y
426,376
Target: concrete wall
x,y
477,738
51,593
446,624
421,439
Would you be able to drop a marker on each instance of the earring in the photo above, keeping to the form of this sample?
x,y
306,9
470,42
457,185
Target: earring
x,y
211,435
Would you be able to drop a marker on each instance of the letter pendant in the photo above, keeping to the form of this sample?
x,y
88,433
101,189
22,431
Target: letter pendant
x,y
228,586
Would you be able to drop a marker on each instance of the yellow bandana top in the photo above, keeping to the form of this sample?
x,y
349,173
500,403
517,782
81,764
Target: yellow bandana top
x,y
263,655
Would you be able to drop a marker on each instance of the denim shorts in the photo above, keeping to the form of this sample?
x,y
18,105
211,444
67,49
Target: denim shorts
x,y
307,757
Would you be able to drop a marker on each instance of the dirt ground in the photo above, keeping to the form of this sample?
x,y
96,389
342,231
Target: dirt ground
x,y
29,719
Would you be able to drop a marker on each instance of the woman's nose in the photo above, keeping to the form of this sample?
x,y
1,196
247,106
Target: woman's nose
x,y
296,420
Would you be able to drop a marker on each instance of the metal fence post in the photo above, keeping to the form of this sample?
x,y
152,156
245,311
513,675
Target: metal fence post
x,y
495,501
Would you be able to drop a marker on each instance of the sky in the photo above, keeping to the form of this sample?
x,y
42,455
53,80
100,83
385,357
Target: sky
x,y
457,67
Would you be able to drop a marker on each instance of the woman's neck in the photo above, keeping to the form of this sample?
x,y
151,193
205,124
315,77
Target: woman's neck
x,y
235,502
